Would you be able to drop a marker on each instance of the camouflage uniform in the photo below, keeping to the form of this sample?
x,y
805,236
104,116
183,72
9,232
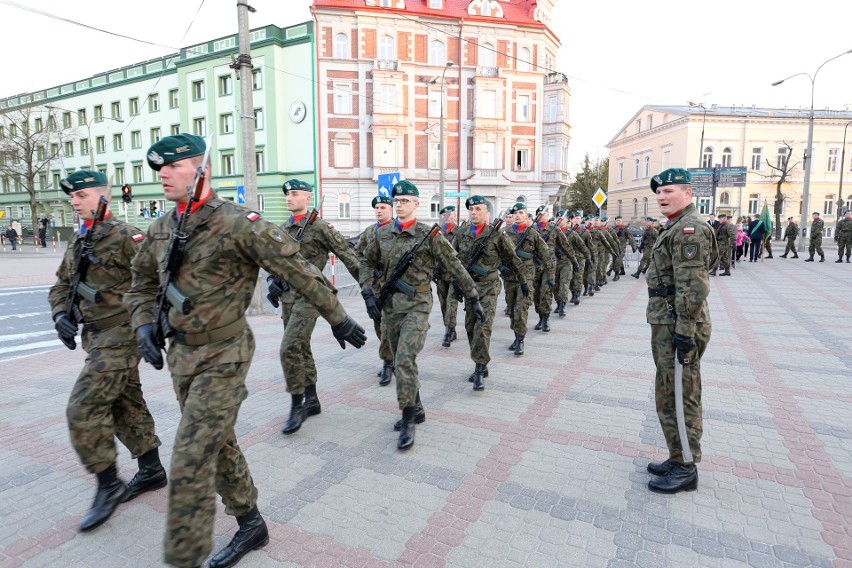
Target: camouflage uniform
x,y
623,237
448,302
726,237
498,251
210,355
816,238
843,234
603,253
106,401
678,276
791,233
543,294
566,259
590,269
384,346
582,254
297,312
406,319
533,247
649,237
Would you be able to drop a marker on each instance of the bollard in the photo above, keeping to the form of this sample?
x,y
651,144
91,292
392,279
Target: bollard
x,y
332,270
54,243
3,238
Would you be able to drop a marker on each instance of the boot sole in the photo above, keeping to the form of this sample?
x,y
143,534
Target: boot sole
x,y
91,527
133,494
690,487
418,419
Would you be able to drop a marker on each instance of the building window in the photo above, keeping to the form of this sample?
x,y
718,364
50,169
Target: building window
x,y
488,106
341,46
342,99
119,175
434,155
136,139
828,206
174,98
69,149
650,121
84,146
667,159
154,102
703,205
261,204
226,123
647,166
226,85
115,110
198,126
725,198
100,144
552,153
645,206
343,153
198,91
258,119
437,53
523,108
489,155
343,209
487,55
386,48
636,168
707,157
727,157
257,79
137,173
486,7
753,203
435,206
117,142
156,134
387,99
620,172
757,159
133,105
638,126
174,129
524,59
552,109
434,107
832,160
81,117
39,125
781,157
227,165
99,113
435,4
635,207
260,161
522,159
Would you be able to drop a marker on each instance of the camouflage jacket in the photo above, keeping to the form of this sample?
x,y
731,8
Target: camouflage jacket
x,y
318,241
581,251
726,235
114,245
368,235
816,228
602,242
680,261
499,250
558,243
844,229
383,253
648,238
792,231
227,245
534,248
586,235
624,238
452,236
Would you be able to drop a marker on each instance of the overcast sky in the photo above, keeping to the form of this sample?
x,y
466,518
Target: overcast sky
x,y
618,54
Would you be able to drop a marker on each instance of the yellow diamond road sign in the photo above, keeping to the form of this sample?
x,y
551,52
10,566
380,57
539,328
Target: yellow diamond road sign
x,y
599,197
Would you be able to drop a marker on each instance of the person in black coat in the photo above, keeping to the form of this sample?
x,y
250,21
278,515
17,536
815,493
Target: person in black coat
x,y
756,231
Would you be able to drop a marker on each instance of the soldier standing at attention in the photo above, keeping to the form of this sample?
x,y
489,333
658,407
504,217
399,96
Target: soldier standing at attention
x,y
383,207
299,315
678,286
497,250
790,235
649,236
448,302
726,236
816,238
106,401
843,236
406,315
212,346
545,280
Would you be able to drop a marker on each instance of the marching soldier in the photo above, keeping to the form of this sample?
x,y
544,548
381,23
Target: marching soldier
x,y
106,401
678,286
316,242
610,236
816,238
211,347
545,283
623,238
582,256
649,236
726,236
406,310
566,260
448,302
583,229
843,236
383,207
492,248
791,233
603,253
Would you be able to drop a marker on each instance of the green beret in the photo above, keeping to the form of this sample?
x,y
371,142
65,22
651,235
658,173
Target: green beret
x,y
175,148
447,209
517,207
576,214
296,184
560,213
650,219
405,187
381,199
475,200
604,219
540,209
815,213
671,176
81,179
723,216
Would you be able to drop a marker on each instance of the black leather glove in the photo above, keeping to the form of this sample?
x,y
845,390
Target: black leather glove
x,y
349,331
525,289
66,329
505,271
683,346
275,291
641,249
148,347
474,306
373,309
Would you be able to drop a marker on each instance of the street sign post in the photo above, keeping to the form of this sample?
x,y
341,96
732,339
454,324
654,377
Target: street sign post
x,y
599,199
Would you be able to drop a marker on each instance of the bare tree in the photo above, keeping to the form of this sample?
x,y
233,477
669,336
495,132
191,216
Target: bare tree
x,y
779,175
585,184
29,140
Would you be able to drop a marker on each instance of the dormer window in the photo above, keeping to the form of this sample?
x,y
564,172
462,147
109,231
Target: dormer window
x,y
436,4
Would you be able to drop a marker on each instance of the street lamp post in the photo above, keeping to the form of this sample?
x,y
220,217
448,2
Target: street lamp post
x,y
441,136
842,160
809,149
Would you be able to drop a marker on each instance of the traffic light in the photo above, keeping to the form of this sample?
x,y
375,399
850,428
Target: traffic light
x,y
153,208
126,193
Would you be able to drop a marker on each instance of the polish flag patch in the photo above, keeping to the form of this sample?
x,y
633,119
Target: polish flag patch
x,y
253,216
688,230
138,238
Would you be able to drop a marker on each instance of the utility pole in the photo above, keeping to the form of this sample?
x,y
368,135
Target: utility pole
x,y
247,122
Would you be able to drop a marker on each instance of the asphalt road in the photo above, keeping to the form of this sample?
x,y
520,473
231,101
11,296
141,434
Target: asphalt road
x,y
25,324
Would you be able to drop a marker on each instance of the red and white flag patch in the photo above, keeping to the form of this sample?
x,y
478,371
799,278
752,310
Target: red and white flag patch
x,y
138,237
688,230
253,216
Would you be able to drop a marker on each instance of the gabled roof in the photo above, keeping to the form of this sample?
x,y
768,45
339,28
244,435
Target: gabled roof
x,y
514,11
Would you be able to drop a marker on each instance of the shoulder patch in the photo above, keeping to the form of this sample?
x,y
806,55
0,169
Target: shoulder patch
x,y
138,237
688,230
689,251
253,216
275,234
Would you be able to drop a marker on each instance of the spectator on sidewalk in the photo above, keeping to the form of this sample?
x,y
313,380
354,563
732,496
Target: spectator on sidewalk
x,y
756,231
12,236
742,239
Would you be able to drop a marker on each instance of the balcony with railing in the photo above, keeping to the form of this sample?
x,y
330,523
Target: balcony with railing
x,y
387,64
487,71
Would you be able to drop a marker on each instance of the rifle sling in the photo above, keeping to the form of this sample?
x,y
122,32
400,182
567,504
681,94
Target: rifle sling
x,y
212,336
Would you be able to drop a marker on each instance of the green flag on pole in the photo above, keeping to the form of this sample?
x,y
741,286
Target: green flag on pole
x,y
766,221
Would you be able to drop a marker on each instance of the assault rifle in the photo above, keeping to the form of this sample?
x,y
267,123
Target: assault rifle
x,y
472,267
393,283
280,282
523,238
168,295
78,288
439,270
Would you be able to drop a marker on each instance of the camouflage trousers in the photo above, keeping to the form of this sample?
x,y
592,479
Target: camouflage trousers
x,y
104,405
603,259
297,359
844,243
646,259
543,294
791,246
564,276
406,325
206,460
725,251
816,245
385,353
449,304
590,272
520,306
479,332
577,276
664,354
618,263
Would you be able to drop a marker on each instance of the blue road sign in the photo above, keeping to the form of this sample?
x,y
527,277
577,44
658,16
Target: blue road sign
x,y
455,193
241,194
386,183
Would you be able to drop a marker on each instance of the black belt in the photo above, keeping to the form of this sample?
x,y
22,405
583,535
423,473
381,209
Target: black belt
x,y
212,336
661,292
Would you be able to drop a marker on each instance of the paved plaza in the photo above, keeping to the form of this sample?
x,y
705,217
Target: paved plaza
x,y
546,467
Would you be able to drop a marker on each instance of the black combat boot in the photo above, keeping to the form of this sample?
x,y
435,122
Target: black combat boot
x,y
111,492
810,259
727,272
839,259
519,349
796,255
151,475
479,373
419,413
617,277
604,281
545,323
252,535
636,274
453,335
591,290
447,336
597,287
661,468
783,255
508,310
297,414
621,272
575,298
560,309
386,374
679,478
312,403
847,259
540,322
406,430
713,272
514,344
822,258
586,290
